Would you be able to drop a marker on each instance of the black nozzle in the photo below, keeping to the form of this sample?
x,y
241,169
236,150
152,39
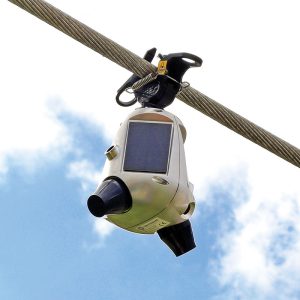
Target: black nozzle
x,y
179,237
111,197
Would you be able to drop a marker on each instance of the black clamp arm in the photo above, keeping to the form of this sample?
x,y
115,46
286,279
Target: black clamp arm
x,y
149,55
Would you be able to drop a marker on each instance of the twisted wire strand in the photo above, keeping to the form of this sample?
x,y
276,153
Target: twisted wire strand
x,y
143,81
140,67
87,36
240,125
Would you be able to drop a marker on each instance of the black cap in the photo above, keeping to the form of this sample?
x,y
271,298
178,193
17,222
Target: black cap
x,y
179,237
111,197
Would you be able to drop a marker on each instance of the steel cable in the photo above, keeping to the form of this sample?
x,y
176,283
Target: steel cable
x,y
140,67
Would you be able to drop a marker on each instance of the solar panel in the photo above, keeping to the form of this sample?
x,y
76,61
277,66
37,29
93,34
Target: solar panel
x,y
147,148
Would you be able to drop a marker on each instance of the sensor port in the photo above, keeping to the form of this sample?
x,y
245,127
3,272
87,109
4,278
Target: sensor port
x,y
189,211
112,152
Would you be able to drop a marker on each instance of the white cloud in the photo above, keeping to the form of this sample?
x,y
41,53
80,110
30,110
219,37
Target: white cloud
x,y
103,227
3,170
89,177
30,134
86,172
251,64
261,252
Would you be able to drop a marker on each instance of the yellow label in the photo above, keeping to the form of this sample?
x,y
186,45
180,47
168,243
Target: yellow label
x,y
162,67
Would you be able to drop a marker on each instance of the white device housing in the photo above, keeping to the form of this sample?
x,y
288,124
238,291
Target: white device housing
x,y
161,197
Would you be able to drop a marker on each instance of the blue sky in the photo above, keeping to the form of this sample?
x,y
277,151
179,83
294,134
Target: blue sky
x,y
58,115
49,251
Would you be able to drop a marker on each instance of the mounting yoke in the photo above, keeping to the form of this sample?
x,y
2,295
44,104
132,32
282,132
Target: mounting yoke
x,y
161,90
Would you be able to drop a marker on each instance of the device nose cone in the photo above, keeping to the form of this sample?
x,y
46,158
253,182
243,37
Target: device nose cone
x,y
111,197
